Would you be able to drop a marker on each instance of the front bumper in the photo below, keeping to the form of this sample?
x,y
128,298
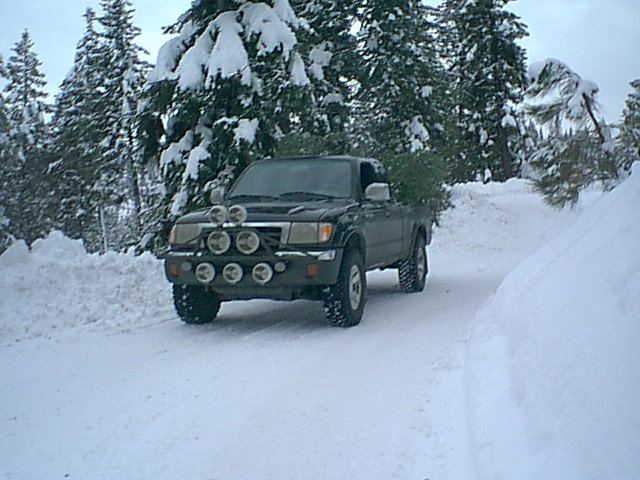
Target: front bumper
x,y
297,274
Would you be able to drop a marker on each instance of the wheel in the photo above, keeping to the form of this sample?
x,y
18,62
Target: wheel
x,y
412,271
194,304
345,300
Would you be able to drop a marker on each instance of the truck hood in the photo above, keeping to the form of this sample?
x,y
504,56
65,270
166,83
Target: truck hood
x,y
309,211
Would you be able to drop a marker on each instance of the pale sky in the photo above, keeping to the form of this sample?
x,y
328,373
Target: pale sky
x,y
600,40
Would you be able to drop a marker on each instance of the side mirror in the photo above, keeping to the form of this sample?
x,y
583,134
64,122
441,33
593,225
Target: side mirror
x,y
378,192
216,196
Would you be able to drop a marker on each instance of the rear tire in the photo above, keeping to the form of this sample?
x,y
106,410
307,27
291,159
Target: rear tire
x,y
344,302
194,304
412,271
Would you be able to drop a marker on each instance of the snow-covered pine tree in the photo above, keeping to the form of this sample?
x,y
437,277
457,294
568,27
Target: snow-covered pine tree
x,y
4,121
577,148
328,48
26,200
120,172
78,128
488,78
400,98
629,140
400,78
5,158
224,91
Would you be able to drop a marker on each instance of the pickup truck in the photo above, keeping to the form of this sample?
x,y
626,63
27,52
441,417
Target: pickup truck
x,y
297,228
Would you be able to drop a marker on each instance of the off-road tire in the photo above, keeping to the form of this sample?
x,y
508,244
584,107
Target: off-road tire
x,y
194,304
344,301
412,271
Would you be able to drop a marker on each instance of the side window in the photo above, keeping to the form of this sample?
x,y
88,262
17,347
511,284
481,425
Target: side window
x,y
367,175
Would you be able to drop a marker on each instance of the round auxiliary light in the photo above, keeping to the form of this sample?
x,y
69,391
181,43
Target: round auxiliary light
x,y
218,215
232,273
237,215
262,273
218,242
205,273
247,242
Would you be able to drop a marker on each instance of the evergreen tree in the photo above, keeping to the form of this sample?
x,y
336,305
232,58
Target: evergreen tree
x,y
400,98
565,162
224,91
4,121
25,98
629,148
577,148
5,170
25,199
400,82
120,172
78,128
328,48
487,68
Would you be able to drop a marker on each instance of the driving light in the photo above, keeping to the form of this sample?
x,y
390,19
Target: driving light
x,y
232,273
218,242
218,215
247,242
262,273
237,215
205,273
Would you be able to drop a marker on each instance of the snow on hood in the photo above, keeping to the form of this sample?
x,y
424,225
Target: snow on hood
x,y
553,383
56,284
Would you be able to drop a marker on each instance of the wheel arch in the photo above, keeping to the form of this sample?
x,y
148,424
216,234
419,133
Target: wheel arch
x,y
355,241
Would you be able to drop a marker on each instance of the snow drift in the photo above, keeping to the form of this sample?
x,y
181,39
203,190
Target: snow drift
x,y
553,380
57,284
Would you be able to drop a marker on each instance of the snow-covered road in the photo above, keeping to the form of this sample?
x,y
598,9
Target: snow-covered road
x,y
268,391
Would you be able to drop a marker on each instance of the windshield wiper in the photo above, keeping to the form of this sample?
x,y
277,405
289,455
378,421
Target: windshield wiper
x,y
306,196
249,197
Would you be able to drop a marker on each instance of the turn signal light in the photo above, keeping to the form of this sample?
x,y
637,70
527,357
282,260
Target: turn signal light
x,y
324,232
313,269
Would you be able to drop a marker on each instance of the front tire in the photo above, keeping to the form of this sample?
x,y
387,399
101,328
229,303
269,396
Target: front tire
x,y
412,272
194,304
344,303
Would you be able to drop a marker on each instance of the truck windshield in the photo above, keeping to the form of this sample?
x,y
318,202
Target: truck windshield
x,y
308,179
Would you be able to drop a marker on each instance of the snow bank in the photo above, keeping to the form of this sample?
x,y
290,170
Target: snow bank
x,y
57,285
552,369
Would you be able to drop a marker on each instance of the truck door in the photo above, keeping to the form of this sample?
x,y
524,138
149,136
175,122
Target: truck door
x,y
383,223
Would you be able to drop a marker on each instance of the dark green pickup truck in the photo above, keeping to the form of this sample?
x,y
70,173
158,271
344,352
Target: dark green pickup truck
x,y
291,228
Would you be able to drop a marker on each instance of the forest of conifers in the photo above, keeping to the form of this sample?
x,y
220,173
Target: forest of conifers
x,y
440,95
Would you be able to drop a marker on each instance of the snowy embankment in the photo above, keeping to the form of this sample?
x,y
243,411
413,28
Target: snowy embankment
x,y
57,285
553,377
541,382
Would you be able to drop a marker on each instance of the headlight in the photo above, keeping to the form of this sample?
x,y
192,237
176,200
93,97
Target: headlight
x,y
182,233
307,232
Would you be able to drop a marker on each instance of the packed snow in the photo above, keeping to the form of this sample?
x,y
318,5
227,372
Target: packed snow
x,y
480,376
